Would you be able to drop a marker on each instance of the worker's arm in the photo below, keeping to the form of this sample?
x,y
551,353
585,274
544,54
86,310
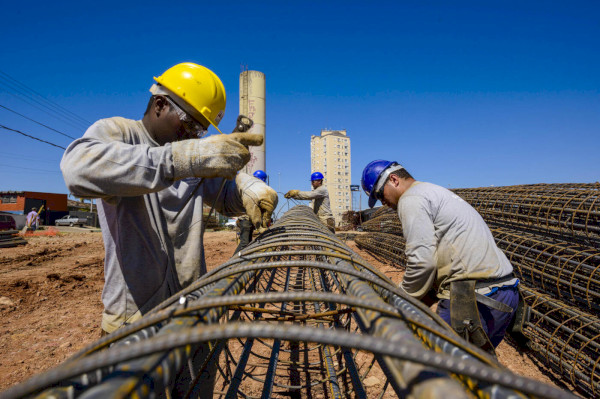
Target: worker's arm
x,y
246,194
418,230
101,164
109,161
319,192
229,202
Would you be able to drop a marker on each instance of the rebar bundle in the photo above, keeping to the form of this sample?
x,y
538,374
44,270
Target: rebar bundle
x,y
389,247
551,235
568,271
566,209
297,313
385,223
11,238
566,338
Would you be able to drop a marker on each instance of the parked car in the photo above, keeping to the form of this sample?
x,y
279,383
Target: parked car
x,y
68,220
231,223
7,223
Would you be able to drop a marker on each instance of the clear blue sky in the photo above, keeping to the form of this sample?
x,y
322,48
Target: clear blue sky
x,y
463,93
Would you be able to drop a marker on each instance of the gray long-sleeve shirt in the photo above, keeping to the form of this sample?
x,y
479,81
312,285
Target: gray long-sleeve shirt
x,y
149,255
320,201
446,240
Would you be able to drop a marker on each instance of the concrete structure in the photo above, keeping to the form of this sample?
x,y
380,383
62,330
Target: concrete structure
x,y
252,104
330,155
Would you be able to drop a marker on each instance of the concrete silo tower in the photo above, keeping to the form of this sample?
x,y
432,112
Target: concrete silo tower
x,y
252,104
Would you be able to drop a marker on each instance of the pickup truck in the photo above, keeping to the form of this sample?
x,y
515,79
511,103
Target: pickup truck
x,y
70,221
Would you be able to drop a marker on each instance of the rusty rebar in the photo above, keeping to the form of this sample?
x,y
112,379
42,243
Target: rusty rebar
x,y
296,313
565,339
566,209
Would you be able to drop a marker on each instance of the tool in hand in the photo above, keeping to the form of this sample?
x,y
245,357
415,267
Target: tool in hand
x,y
242,125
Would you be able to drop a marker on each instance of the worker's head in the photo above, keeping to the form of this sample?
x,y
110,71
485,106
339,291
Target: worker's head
x,y
260,174
186,99
385,181
316,179
34,209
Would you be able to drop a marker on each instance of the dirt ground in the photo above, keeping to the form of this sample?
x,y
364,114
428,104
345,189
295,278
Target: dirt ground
x,y
50,301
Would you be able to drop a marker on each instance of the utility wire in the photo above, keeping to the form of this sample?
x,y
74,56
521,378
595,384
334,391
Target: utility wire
x,y
21,157
32,137
39,123
57,110
37,170
52,103
51,113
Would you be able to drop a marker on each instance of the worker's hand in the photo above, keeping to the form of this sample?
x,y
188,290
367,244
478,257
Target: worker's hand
x,y
291,194
219,155
259,199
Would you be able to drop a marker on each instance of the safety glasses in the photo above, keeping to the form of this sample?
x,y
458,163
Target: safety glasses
x,y
191,127
379,193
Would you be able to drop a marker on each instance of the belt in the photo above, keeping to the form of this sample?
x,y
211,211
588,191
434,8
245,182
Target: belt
x,y
490,281
492,303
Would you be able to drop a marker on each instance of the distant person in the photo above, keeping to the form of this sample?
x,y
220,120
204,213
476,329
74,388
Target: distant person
x,y
33,219
143,171
450,251
320,199
244,224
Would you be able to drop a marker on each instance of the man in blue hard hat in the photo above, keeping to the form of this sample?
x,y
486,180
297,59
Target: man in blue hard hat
x,y
244,224
319,197
450,251
260,174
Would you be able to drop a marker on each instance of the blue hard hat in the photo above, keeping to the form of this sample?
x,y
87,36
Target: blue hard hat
x,y
370,175
316,176
260,174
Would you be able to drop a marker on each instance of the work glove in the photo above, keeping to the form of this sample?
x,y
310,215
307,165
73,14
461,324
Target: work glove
x,y
291,194
220,155
259,199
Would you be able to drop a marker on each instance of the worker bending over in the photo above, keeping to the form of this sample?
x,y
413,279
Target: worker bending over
x,y
244,224
144,171
449,249
320,199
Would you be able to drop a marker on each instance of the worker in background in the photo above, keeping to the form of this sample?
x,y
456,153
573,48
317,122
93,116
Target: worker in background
x,y
143,171
244,224
33,219
450,250
320,199
260,174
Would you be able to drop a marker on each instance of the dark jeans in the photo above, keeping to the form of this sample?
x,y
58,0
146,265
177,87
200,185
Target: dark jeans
x,y
494,321
246,230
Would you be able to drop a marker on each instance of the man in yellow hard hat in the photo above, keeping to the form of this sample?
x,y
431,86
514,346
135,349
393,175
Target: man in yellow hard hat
x,y
144,171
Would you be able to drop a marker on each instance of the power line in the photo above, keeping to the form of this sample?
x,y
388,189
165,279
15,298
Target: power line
x,y
21,157
39,123
32,137
51,112
52,103
37,170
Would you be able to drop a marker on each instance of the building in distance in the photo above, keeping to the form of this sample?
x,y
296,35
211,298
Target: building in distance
x,y
330,155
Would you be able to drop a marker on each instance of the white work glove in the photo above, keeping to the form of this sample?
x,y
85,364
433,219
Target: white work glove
x,y
259,199
220,155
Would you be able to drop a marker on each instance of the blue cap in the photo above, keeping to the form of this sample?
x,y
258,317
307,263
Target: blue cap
x,y
371,175
316,176
260,174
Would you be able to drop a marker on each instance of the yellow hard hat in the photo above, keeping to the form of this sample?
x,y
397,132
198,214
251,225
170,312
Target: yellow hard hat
x,y
202,91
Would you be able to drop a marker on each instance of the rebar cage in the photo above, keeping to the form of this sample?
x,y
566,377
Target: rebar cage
x,y
295,314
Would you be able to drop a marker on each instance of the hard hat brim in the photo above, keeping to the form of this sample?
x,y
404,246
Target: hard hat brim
x,y
372,201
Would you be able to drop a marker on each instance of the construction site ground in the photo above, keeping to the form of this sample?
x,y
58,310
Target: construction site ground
x,y
50,303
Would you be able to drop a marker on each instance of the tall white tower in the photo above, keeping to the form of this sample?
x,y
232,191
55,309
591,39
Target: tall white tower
x,y
252,104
